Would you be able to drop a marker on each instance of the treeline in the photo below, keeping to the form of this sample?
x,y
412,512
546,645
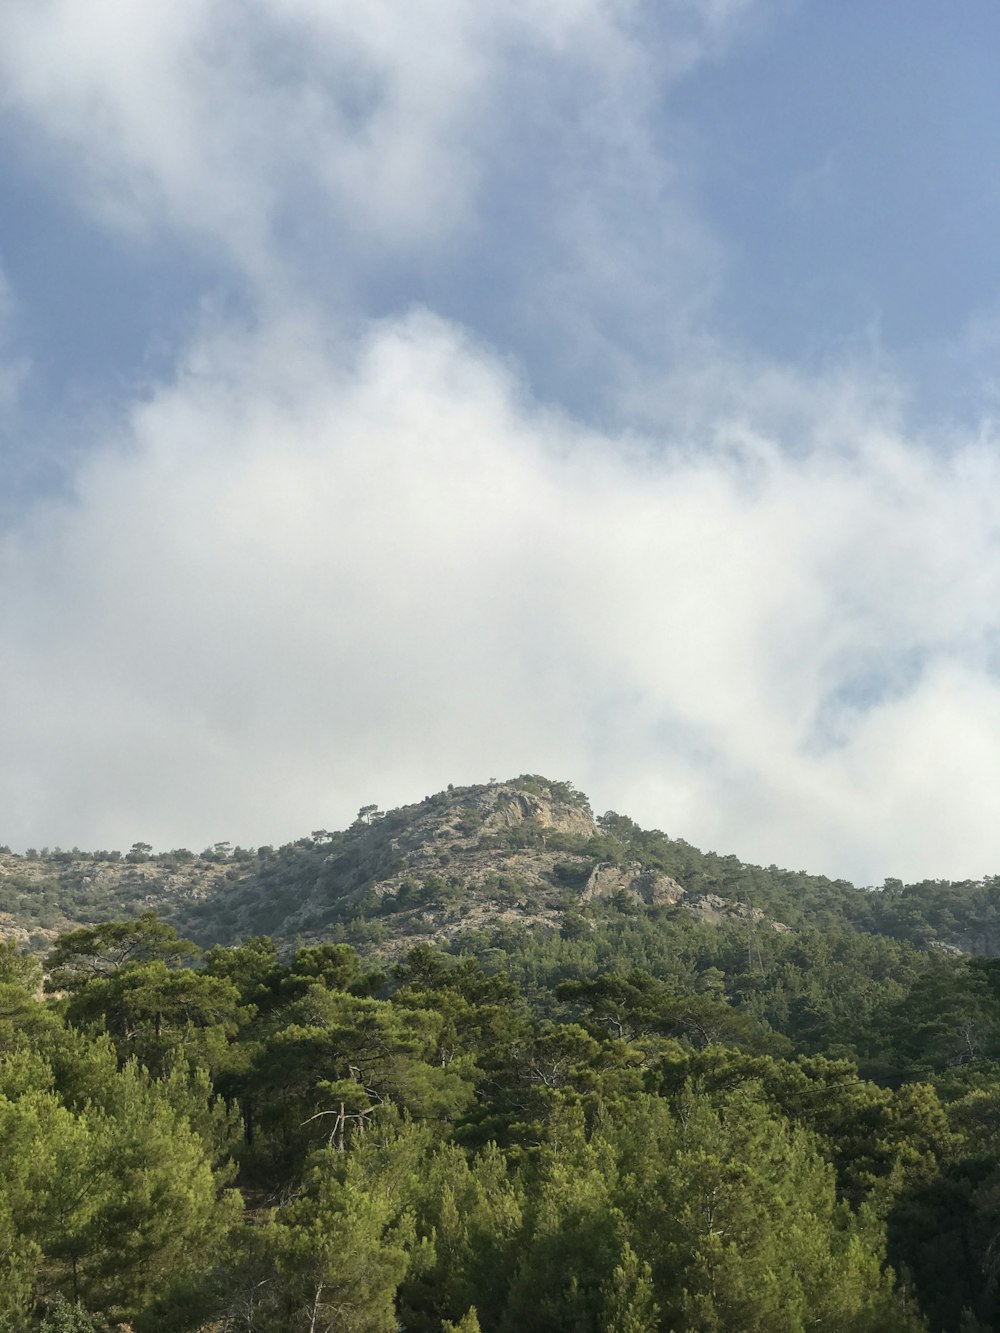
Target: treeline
x,y
549,1136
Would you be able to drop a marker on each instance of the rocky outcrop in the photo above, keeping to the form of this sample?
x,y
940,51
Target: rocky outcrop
x,y
652,887
716,911
504,806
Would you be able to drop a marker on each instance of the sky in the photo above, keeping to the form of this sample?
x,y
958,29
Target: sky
x,y
395,395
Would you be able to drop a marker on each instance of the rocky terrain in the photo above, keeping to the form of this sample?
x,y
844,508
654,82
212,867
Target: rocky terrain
x,y
527,852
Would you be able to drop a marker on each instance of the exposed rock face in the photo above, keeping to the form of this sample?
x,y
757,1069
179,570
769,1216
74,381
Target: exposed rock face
x,y
656,889
506,807
648,886
715,911
490,850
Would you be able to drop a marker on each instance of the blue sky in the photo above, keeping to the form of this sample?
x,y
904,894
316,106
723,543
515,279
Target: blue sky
x,y
852,172
394,396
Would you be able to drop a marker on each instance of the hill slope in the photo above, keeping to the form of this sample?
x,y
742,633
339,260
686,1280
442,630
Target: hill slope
x,y
526,852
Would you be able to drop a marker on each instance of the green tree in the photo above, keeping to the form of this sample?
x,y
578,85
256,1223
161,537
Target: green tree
x,y
470,1210
64,1317
340,1251
150,1011
574,1237
111,1206
738,1217
469,1323
629,1304
94,952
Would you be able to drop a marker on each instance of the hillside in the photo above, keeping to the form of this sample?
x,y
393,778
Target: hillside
x,y
522,853
550,1005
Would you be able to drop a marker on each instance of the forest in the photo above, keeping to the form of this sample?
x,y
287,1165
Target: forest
x,y
636,1120
233,1141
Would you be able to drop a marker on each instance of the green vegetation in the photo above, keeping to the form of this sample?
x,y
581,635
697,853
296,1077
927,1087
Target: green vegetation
x,y
309,1143
557,1112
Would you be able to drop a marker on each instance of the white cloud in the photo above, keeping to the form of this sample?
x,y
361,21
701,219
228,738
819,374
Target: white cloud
x,y
362,146
310,575
203,116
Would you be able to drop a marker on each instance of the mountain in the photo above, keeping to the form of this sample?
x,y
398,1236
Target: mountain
x,y
512,851
525,853
573,1035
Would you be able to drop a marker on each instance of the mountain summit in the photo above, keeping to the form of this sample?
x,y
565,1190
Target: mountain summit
x,y
523,853
526,852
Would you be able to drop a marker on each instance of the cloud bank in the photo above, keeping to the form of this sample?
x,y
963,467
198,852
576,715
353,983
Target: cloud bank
x,y
306,575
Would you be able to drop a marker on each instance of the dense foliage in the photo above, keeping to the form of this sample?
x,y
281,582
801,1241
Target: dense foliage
x,y
644,1128
621,1115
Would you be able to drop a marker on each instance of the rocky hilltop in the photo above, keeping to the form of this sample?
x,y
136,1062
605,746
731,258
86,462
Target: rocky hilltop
x,y
526,852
